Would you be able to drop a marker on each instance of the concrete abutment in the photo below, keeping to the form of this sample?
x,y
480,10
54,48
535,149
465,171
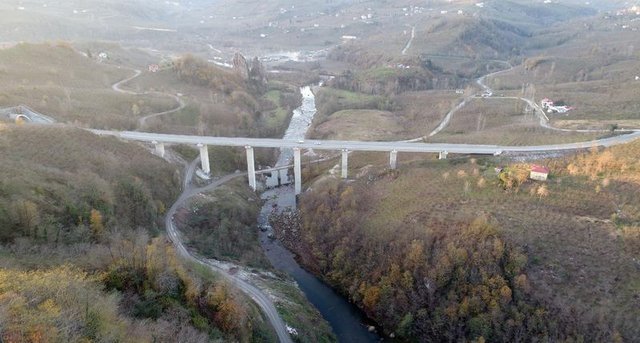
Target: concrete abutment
x,y
204,158
297,170
393,159
251,167
345,161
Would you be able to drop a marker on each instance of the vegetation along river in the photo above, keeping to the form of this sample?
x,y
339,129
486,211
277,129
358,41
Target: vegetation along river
x,y
347,321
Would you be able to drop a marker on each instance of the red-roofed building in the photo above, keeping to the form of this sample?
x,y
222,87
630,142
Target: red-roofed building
x,y
546,102
540,173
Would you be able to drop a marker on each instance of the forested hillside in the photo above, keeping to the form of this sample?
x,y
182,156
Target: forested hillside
x,y
454,251
82,255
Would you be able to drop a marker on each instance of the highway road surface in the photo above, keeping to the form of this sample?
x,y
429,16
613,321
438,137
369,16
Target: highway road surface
x,y
362,146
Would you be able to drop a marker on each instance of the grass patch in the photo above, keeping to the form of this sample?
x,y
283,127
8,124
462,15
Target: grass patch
x,y
369,125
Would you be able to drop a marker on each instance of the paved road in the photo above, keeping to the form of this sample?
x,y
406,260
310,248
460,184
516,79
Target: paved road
x,y
263,301
544,119
447,118
480,80
488,93
361,146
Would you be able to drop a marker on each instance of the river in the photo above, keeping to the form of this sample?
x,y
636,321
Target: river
x,y
346,320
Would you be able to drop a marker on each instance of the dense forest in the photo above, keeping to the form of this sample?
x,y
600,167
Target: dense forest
x,y
436,270
446,283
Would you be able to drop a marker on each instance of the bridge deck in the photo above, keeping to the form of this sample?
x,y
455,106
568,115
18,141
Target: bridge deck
x,y
359,145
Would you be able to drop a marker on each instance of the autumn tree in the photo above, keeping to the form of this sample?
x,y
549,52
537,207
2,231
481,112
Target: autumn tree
x,y
95,224
542,191
459,281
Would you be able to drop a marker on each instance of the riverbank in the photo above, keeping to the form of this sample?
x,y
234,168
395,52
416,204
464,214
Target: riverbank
x,y
228,214
347,322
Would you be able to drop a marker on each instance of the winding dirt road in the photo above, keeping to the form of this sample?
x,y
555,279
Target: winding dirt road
x,y
259,297
447,118
487,92
143,120
408,45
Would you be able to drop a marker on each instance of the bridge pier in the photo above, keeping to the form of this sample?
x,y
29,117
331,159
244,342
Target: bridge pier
x,y
443,155
204,158
393,159
251,167
297,170
159,148
345,160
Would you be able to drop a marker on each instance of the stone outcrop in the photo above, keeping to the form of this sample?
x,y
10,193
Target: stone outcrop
x,y
258,73
240,66
254,73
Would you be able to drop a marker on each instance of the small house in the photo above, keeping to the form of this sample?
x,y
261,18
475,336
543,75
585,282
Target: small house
x,y
539,173
546,102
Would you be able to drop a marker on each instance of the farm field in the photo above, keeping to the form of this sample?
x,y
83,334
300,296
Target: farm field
x,y
502,122
59,82
404,116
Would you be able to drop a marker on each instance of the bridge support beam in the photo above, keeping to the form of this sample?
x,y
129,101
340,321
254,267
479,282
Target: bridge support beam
x,y
345,161
159,148
251,167
393,159
204,158
443,155
297,170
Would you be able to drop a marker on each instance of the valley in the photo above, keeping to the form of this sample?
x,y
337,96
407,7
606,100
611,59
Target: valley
x,y
444,171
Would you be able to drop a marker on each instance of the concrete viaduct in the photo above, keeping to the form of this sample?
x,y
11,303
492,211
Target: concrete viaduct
x,y
393,148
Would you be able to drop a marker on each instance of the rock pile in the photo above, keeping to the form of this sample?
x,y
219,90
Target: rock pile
x,y
286,226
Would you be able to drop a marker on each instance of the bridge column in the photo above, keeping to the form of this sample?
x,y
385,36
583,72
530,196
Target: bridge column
x,y
159,148
345,160
393,159
204,158
443,155
297,170
251,167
